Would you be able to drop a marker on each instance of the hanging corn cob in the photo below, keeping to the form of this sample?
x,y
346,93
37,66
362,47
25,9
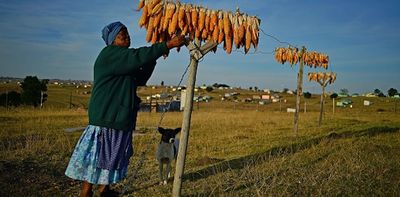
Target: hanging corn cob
x,y
293,56
322,78
165,19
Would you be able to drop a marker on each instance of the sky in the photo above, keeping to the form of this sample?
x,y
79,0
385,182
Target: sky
x,y
61,40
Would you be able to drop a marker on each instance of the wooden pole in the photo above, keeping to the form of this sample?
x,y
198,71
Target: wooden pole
x,y
299,92
187,114
321,109
7,99
184,138
70,101
333,106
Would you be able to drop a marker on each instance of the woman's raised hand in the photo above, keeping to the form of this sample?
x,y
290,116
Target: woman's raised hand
x,y
176,41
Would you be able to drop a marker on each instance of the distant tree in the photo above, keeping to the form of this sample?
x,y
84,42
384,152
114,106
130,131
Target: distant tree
x,y
250,88
12,98
32,89
209,89
334,96
392,92
285,90
381,94
377,91
255,88
344,91
162,83
307,95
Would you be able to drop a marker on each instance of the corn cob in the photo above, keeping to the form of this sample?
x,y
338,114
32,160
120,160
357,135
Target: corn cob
x,y
194,16
202,18
174,23
144,18
157,9
248,39
207,20
213,20
149,33
140,5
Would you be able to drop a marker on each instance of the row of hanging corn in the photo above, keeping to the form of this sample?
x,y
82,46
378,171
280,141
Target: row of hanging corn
x,y
293,56
164,19
321,77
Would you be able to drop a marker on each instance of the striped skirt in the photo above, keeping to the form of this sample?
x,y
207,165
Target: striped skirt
x,y
101,156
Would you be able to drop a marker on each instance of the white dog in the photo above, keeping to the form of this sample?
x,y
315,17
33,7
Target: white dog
x,y
167,150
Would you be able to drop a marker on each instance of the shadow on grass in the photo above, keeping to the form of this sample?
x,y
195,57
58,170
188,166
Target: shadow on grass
x,y
254,159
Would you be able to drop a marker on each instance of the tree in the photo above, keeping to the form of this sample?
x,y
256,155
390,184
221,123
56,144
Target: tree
x,y
209,89
377,92
334,95
392,92
344,91
250,88
162,83
255,88
12,98
285,90
307,95
32,89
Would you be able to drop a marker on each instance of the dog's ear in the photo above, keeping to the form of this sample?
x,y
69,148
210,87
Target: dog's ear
x,y
161,130
177,130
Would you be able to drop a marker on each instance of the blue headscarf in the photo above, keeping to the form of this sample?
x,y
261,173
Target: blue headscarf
x,y
111,31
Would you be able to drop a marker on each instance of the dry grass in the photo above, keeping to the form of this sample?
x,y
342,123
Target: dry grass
x,y
234,150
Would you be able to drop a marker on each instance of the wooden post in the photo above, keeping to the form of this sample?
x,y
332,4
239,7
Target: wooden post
x,y
321,109
187,114
299,91
70,100
333,106
7,99
305,106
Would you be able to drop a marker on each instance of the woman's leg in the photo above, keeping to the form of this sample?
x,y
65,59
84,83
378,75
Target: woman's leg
x,y
103,189
86,190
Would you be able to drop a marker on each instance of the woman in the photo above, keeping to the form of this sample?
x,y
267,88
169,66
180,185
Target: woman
x,y
102,153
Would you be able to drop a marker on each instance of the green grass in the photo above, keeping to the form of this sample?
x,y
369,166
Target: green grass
x,y
235,149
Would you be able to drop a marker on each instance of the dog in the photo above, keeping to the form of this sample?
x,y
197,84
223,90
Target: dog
x,y
167,151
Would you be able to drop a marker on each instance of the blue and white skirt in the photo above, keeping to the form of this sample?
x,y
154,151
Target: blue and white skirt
x,y
101,156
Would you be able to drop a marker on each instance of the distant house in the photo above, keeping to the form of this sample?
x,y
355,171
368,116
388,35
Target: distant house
x,y
367,103
268,91
370,95
256,97
266,97
248,100
290,92
275,100
290,110
343,95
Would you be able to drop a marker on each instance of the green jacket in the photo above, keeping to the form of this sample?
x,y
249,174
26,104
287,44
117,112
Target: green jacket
x,y
117,73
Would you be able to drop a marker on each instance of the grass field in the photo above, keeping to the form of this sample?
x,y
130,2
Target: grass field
x,y
235,149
